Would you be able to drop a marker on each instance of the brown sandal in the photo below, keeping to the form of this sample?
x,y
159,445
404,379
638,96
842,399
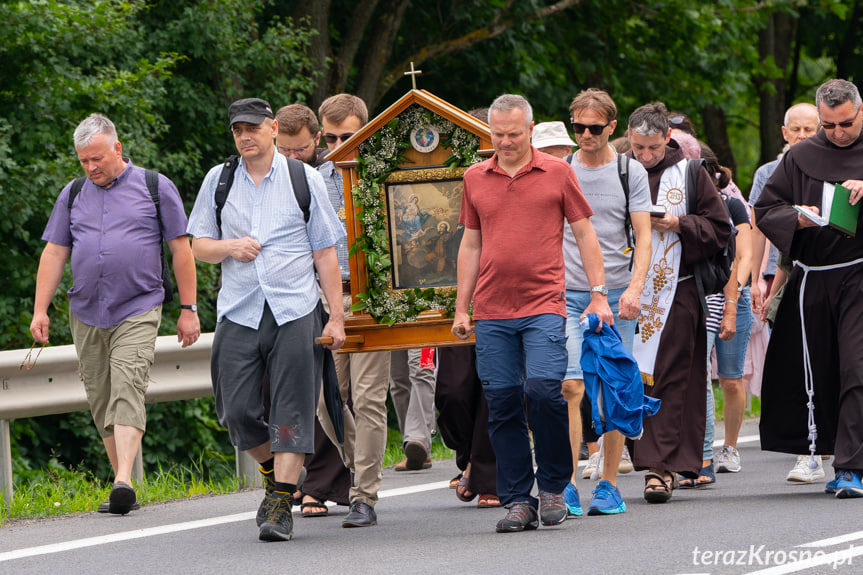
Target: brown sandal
x,y
658,492
487,500
462,491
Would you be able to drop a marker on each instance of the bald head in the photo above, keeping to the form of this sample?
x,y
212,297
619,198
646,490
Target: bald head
x,y
801,122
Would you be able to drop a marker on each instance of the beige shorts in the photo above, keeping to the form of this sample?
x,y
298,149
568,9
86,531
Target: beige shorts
x,y
115,368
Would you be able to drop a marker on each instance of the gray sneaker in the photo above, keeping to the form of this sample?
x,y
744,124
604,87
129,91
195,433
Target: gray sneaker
x,y
520,516
279,525
552,508
728,460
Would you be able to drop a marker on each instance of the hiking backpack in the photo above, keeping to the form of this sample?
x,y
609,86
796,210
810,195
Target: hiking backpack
x,y
711,273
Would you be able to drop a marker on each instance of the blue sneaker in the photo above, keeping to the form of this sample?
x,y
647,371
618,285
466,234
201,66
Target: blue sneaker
x,y
573,505
848,484
606,500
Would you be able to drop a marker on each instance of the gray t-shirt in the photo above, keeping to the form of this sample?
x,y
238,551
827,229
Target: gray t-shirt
x,y
603,191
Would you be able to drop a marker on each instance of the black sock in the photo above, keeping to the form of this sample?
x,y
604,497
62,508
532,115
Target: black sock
x,y
285,487
267,466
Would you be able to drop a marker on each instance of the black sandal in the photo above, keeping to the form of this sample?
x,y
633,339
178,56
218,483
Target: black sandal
x,y
313,504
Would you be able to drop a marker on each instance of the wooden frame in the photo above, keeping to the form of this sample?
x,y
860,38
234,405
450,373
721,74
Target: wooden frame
x,y
431,328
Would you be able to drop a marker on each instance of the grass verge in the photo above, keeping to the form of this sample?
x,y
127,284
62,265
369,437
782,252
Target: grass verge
x,y
58,490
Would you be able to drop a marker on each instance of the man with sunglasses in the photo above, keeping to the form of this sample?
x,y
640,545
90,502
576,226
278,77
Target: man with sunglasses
x,y
364,377
672,340
597,168
812,388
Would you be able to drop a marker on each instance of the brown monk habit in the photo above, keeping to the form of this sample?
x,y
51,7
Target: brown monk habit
x,y
673,438
832,309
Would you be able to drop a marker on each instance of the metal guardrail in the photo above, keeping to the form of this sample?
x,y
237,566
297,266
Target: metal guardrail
x,y
54,386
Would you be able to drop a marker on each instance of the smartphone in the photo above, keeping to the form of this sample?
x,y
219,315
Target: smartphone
x,y
657,211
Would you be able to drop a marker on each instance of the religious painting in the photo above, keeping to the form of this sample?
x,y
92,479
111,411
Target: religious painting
x,y
424,232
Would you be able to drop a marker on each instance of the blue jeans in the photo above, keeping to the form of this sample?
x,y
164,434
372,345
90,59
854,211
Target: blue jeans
x,y
517,358
576,303
730,361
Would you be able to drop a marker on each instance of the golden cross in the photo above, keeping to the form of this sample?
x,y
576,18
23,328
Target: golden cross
x,y
413,74
653,309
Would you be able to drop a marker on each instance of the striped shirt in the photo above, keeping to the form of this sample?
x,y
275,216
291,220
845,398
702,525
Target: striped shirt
x,y
336,194
283,273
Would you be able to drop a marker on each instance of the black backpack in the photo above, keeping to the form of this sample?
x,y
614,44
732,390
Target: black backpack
x,y
152,179
711,274
623,174
298,183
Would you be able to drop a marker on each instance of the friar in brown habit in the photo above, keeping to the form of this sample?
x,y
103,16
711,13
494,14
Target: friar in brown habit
x,y
812,389
671,346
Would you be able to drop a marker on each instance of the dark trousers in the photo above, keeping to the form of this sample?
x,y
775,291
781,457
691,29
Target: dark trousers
x,y
526,358
463,416
328,478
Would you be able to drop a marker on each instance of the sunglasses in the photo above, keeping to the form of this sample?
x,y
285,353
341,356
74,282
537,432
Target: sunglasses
x,y
677,120
844,125
333,138
595,129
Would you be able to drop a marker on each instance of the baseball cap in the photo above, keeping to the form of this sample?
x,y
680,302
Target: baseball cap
x,y
551,134
250,110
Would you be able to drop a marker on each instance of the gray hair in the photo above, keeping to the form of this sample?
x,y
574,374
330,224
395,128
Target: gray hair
x,y
836,92
649,120
94,125
509,102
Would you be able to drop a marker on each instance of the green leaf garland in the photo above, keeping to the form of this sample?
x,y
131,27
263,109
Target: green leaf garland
x,y
380,155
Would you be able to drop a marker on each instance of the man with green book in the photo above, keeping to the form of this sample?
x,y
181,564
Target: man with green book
x,y
816,404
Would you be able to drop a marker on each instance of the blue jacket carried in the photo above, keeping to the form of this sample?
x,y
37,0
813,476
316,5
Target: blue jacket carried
x,y
613,382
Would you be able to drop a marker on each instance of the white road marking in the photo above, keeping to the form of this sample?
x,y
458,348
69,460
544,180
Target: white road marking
x,y
835,540
203,523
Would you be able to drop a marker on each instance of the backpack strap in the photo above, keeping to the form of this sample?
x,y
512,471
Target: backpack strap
x,y
300,186
623,174
226,180
77,184
692,168
152,179
568,159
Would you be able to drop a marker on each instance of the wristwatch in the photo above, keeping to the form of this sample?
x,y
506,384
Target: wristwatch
x,y
192,307
600,289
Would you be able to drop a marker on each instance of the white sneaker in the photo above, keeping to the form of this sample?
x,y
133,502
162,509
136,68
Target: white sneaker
x,y
728,460
593,464
802,473
625,465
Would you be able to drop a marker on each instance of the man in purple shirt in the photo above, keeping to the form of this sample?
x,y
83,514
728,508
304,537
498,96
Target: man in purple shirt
x,y
115,304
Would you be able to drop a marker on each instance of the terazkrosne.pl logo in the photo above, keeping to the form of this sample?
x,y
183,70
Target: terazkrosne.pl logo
x,y
760,555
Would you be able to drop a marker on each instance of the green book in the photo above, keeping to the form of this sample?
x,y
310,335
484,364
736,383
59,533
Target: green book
x,y
838,212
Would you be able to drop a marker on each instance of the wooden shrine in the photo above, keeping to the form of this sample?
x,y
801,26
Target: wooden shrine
x,y
402,183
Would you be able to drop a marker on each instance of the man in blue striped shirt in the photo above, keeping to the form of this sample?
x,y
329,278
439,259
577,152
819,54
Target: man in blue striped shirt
x,y
267,309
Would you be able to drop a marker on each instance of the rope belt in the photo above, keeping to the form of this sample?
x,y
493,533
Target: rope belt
x,y
807,364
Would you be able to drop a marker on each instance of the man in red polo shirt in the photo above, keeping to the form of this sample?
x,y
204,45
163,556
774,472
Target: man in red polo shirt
x,y
510,264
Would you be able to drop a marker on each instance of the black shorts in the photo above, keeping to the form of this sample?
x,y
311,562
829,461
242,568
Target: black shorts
x,y
287,353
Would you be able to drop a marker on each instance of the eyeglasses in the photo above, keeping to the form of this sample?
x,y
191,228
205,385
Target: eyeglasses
x,y
238,129
844,125
333,138
27,362
294,151
677,120
595,129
